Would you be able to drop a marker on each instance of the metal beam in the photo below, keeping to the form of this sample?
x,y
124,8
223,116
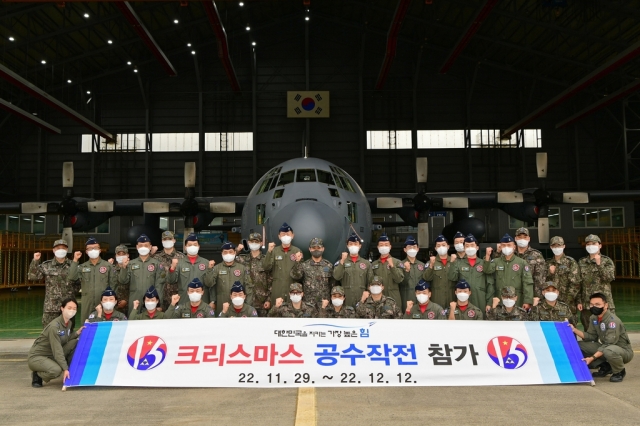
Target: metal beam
x,y
37,93
223,45
7,106
392,41
473,27
600,72
604,102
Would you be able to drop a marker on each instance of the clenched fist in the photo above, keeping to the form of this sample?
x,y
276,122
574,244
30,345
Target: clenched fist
x,y
453,305
325,303
125,262
37,255
496,302
154,249
407,266
122,304
279,302
76,256
453,257
212,263
271,247
488,252
267,304
174,299
174,263
225,307
99,310
239,248
110,261
365,295
409,305
298,256
536,300
432,261
552,269
344,257
136,303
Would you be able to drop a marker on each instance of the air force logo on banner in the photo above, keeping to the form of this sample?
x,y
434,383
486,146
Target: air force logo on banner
x,y
147,352
507,352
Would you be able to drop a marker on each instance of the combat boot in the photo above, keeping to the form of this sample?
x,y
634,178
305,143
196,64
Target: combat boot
x,y
605,370
619,376
36,381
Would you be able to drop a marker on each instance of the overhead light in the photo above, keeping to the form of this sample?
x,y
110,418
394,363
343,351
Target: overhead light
x,y
34,113
135,70
109,41
193,52
241,4
253,43
128,62
13,217
175,21
43,62
86,15
248,28
88,92
188,44
68,81
11,39
306,18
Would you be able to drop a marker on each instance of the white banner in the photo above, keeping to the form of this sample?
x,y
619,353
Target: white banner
x,y
274,352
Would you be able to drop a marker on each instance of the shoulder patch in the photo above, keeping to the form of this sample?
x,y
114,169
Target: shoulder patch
x,y
526,268
603,326
471,313
612,324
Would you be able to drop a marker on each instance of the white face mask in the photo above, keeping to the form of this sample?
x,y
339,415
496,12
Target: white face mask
x,y
508,303
422,298
459,247
412,253
143,251
286,239
150,305
119,259
237,301
195,297
295,298
470,251
551,296
60,253
463,297
67,314
442,251
108,306
167,244
507,251
192,250
557,250
93,254
522,243
353,250
375,289
384,250
337,302
593,249
228,257
254,246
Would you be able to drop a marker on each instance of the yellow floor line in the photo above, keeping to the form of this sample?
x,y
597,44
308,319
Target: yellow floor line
x,y
12,360
306,409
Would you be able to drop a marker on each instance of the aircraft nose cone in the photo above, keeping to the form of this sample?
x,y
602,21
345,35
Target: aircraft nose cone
x,y
310,219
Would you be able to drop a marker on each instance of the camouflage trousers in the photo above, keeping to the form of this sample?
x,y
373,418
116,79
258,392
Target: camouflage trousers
x,y
168,291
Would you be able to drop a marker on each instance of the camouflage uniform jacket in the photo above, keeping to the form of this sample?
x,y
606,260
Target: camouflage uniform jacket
x,y
57,284
222,278
545,312
392,274
597,278
169,288
566,278
537,267
385,308
354,278
138,276
261,279
330,312
515,273
186,271
432,312
442,288
115,316
317,279
94,279
411,278
471,313
183,310
286,310
500,314
144,315
51,341
247,311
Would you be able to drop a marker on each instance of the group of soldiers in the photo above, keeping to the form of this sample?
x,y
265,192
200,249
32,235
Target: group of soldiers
x,y
514,282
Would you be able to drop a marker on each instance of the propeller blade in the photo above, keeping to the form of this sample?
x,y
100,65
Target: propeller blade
x,y
388,203
34,208
509,197
189,175
155,207
67,235
455,203
543,230
423,235
575,197
541,164
100,206
222,207
421,169
67,175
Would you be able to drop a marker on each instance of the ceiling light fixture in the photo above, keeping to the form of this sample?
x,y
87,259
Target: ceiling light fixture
x,y
175,21
69,81
88,92
128,62
135,70
253,43
193,52
241,4
248,28
11,39
109,41
188,44
86,15
43,62
306,18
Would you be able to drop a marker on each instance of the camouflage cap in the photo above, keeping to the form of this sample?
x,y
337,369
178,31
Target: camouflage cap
x,y
549,284
376,281
337,290
556,240
168,235
122,248
592,238
295,287
316,242
522,230
60,242
255,236
508,291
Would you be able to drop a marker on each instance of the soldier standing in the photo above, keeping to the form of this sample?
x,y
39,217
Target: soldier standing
x,y
261,279
353,271
436,272
513,271
122,252
141,273
596,273
56,278
316,274
462,309
279,261
551,309
337,308
224,275
564,272
534,258
375,305
295,307
196,308
185,268
424,309
413,270
239,309
458,244
165,258
507,311
104,311
390,270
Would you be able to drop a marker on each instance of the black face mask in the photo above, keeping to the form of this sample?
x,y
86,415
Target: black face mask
x,y
596,311
316,253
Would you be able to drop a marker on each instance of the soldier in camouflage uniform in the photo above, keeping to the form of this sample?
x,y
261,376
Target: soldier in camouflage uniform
x,y
551,308
507,311
462,309
104,311
534,258
279,261
565,273
423,309
122,252
513,271
295,307
389,269
140,273
149,310
596,273
262,280
165,258
194,307
436,272
316,274
352,271
375,305
184,269
57,283
224,275
413,270
239,309
337,308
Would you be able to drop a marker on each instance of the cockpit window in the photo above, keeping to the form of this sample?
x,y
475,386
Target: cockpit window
x,y
287,177
325,177
342,180
306,175
269,180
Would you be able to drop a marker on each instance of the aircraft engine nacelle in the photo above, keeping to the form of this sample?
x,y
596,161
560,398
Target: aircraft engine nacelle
x,y
83,221
526,212
469,225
